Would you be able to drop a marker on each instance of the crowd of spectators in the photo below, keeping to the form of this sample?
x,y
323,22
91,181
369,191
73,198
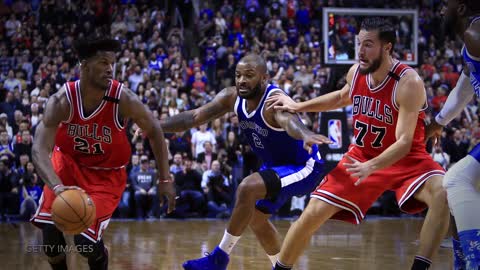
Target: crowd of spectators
x,y
176,55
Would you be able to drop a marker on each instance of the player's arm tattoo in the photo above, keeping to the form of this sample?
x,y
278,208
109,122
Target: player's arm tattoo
x,y
292,124
221,104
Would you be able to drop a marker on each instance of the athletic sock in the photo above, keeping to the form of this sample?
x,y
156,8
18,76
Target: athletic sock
x,y
273,258
421,263
228,242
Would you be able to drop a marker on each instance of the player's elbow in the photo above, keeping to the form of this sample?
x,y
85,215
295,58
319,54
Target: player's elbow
x,y
36,153
405,145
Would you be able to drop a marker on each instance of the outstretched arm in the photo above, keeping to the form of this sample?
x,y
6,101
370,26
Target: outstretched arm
x,y
294,127
456,102
327,102
221,104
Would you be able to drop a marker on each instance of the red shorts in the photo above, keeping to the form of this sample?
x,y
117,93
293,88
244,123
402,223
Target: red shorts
x,y
404,178
105,187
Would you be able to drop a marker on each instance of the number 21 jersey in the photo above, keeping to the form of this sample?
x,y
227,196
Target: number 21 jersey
x,y
98,140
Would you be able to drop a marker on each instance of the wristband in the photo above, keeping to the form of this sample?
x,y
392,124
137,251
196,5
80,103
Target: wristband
x,y
56,186
166,181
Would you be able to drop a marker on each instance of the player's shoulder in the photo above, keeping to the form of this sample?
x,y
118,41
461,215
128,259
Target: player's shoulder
x,y
410,77
410,89
58,107
351,73
471,38
59,99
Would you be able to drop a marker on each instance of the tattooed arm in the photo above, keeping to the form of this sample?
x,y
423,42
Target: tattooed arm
x,y
221,104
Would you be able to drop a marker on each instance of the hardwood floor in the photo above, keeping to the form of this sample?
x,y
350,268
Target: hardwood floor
x,y
165,244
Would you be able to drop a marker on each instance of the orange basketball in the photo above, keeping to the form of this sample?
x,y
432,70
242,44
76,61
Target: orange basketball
x,y
73,211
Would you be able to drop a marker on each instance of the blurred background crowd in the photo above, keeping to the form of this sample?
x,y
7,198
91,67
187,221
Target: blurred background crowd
x,y
176,55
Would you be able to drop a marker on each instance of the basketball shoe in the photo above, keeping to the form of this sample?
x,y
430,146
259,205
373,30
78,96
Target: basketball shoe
x,y
217,260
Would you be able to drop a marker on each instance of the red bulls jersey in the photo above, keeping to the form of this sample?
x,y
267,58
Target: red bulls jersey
x,y
375,114
98,140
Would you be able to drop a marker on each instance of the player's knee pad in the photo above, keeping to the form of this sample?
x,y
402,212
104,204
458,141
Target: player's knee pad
x,y
88,248
53,241
272,183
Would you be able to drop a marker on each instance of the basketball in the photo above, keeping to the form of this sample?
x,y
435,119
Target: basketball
x,y
73,211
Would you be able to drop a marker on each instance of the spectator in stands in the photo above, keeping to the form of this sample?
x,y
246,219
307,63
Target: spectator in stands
x,y
217,189
6,148
440,156
144,183
24,147
12,82
191,201
208,155
8,189
177,165
456,145
30,193
199,138
4,126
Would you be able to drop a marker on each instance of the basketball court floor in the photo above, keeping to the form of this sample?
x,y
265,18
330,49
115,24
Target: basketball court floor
x,y
165,244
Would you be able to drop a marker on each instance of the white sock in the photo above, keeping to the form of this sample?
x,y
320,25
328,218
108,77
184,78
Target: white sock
x,y
228,242
273,258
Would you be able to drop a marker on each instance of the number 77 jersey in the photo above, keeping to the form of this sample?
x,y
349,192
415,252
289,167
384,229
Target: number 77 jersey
x,y
375,114
98,140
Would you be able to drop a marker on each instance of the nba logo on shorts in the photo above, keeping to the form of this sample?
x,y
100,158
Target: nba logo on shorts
x,y
335,133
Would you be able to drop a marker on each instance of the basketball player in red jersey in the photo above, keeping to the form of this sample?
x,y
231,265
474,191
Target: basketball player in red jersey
x,y
388,153
84,131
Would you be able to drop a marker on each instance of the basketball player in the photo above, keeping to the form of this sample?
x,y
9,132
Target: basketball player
x,y
84,131
388,153
462,181
291,162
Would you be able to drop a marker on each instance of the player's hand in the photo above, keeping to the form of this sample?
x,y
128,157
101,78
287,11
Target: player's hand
x,y
167,189
61,188
358,169
310,140
282,103
433,130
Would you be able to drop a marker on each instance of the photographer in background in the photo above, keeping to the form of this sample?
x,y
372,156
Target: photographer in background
x,y
216,187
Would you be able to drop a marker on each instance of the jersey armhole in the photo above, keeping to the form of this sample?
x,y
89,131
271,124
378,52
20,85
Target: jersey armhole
x,y
354,79
263,105
235,107
70,102
394,92
116,114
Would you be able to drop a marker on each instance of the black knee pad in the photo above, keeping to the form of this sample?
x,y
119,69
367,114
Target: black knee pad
x,y
88,248
53,241
272,182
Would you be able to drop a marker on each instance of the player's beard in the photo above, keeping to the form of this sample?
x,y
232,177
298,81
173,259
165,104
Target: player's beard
x,y
376,63
254,92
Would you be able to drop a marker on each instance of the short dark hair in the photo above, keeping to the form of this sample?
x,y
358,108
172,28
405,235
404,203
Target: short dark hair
x,y
86,48
386,30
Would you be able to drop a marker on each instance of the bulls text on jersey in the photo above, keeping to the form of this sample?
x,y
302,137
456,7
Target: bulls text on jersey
x,y
372,108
